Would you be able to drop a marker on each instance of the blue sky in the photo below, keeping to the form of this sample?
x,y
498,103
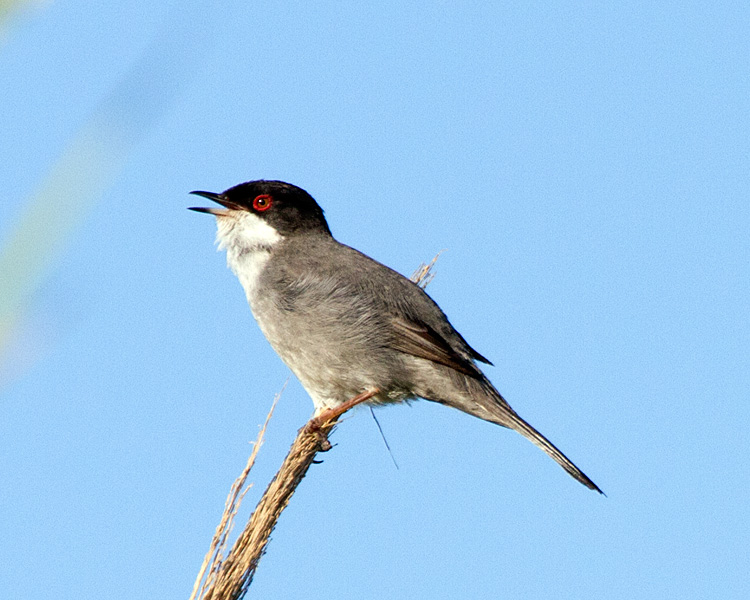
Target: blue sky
x,y
583,165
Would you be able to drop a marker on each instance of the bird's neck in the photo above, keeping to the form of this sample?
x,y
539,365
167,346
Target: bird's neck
x,y
249,243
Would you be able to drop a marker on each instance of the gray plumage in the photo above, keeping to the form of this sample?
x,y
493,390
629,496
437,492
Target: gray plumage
x,y
345,323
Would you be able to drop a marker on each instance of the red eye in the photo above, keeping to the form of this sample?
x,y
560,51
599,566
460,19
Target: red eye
x,y
262,202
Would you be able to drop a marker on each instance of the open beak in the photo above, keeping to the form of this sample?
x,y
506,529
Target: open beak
x,y
219,199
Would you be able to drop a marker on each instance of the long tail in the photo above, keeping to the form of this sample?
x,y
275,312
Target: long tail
x,y
491,406
531,434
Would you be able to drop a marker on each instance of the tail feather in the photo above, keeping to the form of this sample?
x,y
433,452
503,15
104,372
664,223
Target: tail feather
x,y
531,434
491,406
476,396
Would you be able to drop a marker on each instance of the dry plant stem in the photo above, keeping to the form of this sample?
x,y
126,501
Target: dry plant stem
x,y
229,579
214,556
238,569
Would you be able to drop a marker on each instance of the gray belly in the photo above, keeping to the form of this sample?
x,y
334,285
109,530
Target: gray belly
x,y
335,351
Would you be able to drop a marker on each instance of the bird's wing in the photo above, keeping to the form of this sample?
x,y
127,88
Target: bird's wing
x,y
419,339
416,324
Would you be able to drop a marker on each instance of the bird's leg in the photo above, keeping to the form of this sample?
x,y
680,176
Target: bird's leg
x,y
330,415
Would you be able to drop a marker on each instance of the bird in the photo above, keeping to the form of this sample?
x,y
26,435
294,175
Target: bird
x,y
343,322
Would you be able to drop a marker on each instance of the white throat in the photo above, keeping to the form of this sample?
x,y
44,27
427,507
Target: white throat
x,y
248,240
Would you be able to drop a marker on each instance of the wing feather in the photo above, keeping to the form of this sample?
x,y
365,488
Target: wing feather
x,y
421,340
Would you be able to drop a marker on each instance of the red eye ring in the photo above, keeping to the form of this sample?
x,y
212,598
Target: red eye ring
x,y
262,202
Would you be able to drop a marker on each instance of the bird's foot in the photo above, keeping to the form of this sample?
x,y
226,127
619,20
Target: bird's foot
x,y
329,416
